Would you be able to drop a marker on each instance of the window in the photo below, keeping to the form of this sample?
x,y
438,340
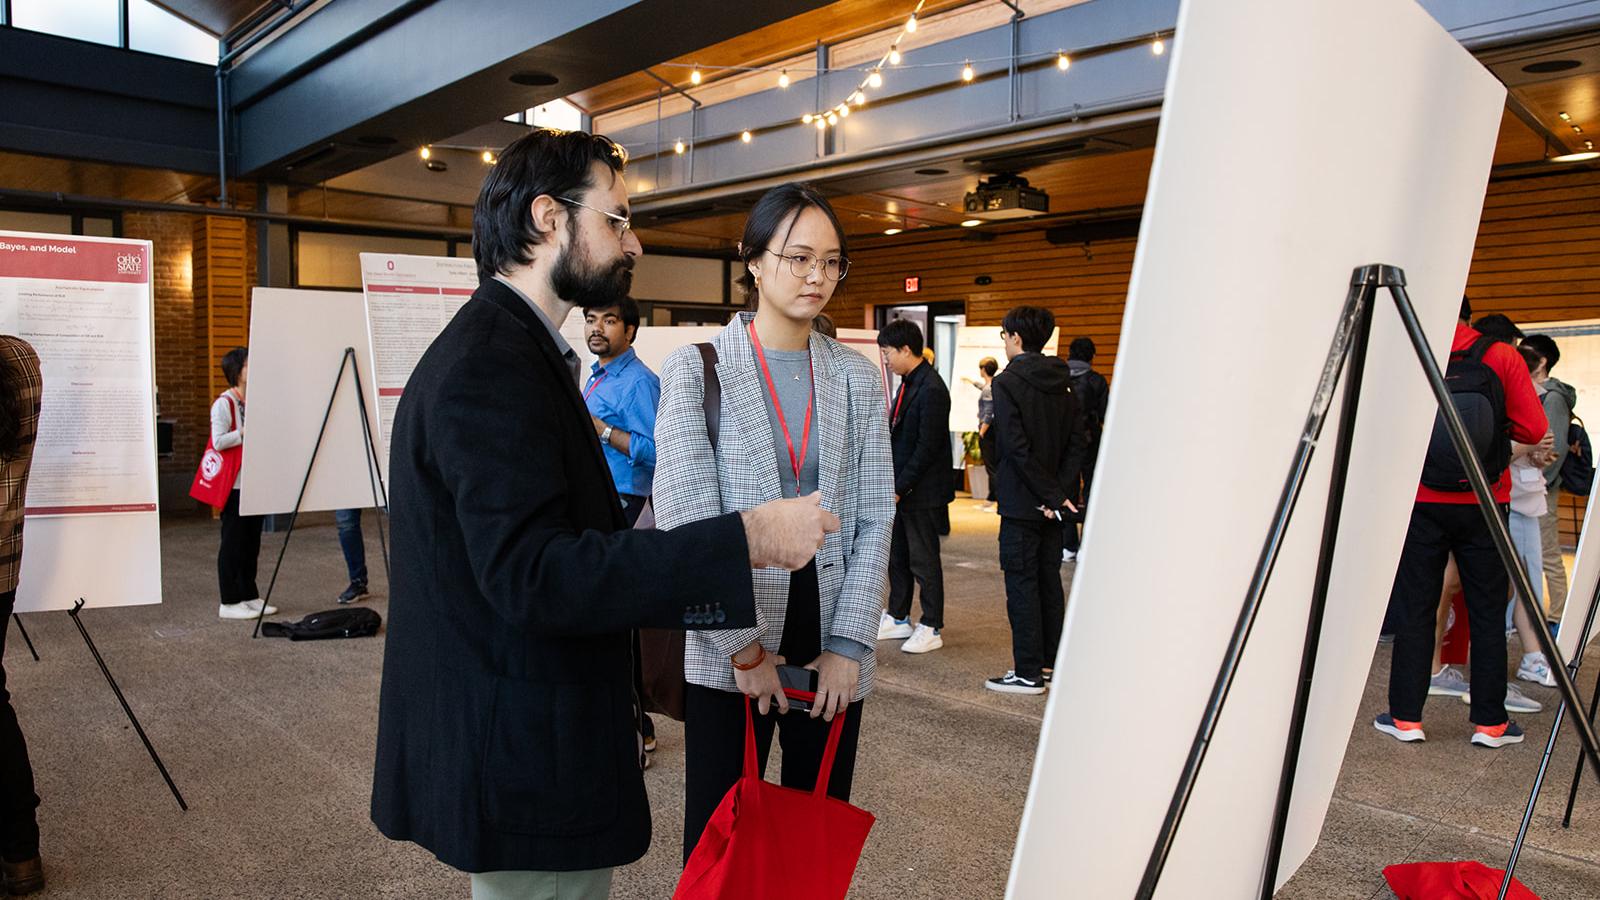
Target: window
x,y
87,20
154,30
332,260
556,114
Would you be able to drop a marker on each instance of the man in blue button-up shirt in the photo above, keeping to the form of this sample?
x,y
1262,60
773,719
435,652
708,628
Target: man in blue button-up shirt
x,y
622,394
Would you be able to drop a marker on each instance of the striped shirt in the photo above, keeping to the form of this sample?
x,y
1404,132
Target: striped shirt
x,y
22,363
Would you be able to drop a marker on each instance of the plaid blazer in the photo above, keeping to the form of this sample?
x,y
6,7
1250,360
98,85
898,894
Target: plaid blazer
x,y
19,358
855,474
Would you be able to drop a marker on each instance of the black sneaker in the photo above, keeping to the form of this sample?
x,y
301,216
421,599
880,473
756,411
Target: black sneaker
x,y
1484,736
1012,683
1047,674
355,592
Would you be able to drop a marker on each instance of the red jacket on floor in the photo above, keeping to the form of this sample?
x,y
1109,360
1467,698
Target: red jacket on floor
x,y
1523,408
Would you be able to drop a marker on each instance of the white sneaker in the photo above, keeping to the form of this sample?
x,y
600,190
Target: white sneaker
x,y
890,629
922,640
1536,668
1068,556
235,611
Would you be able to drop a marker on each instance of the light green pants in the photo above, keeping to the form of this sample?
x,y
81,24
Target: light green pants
x,y
593,884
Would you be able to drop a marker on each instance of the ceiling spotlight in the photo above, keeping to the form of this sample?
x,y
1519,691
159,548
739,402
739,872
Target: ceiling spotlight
x,y
745,137
911,24
694,75
967,74
1578,129
806,119
1062,62
1576,157
875,80
1588,145
1159,47
891,231
488,157
426,153
783,79
678,148
894,56
968,223
436,165
1564,117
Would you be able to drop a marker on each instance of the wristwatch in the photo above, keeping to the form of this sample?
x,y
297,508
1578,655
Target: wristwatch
x,y
605,436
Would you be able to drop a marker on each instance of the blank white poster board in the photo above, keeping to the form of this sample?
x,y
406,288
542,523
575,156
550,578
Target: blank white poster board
x,y
973,344
1581,586
297,344
93,527
1244,247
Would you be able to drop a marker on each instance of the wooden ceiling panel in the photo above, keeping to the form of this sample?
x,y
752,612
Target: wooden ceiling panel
x,y
24,172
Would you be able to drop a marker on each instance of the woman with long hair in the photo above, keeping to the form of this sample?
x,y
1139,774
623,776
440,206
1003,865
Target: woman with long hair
x,y
800,415
240,547
21,388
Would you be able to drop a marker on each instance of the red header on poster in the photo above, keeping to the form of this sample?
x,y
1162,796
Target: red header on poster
x,y
403,289
913,284
89,510
458,292
70,259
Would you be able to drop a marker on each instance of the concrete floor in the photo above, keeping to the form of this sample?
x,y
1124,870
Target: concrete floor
x,y
272,745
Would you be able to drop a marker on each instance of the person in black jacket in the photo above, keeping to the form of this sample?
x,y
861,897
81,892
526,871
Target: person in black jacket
x,y
919,430
1093,396
507,743
1040,440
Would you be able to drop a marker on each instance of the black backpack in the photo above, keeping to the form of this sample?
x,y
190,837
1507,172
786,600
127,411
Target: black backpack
x,y
1577,470
1480,399
333,623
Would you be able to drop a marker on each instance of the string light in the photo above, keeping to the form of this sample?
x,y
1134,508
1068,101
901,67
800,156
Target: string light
x,y
488,157
1159,47
844,110
678,148
806,119
427,153
859,99
783,79
967,74
1062,62
911,24
875,80
745,136
894,56
821,123
833,118
694,76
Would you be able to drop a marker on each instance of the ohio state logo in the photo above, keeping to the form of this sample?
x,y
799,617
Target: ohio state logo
x,y
211,464
130,264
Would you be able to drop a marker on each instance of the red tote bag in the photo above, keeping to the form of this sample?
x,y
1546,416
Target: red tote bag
x,y
1463,880
213,481
768,842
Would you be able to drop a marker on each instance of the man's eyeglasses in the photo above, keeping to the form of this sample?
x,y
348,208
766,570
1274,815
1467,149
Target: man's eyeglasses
x,y
619,224
803,264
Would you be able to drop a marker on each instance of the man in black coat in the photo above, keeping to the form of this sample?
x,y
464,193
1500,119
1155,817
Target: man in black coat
x,y
1094,395
506,726
1040,438
919,431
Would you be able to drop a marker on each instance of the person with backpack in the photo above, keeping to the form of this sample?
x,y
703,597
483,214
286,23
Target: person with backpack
x,y
1560,400
1093,396
1493,393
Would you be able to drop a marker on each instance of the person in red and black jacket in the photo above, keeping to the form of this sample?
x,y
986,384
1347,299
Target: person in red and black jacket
x,y
1445,522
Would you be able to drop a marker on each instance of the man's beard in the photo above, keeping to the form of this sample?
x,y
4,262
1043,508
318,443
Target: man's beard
x,y
576,283
600,345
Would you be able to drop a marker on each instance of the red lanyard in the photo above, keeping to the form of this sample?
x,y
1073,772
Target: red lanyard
x,y
805,437
594,384
899,397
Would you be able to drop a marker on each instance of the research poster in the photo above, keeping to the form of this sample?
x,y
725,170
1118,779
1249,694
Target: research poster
x,y
85,305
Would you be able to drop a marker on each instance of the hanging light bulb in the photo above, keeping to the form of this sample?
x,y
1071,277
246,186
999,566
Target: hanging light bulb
x,y
875,79
783,79
694,75
806,119
488,157
745,137
844,110
859,99
833,118
426,153
1159,47
1062,62
967,74
911,24
678,148
821,123
894,56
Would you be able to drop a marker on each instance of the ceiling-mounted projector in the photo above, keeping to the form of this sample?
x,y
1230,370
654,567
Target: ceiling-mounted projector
x,y
1006,197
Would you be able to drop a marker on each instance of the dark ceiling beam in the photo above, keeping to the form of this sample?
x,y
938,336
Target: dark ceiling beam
x,y
328,95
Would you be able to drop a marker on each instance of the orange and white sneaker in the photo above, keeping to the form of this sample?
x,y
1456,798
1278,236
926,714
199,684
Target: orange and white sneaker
x,y
1496,736
1399,729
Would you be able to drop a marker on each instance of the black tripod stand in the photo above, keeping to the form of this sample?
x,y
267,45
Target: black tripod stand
x,y
380,497
1349,344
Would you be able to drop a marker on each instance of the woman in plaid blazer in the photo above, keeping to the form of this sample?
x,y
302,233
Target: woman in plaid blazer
x,y
800,415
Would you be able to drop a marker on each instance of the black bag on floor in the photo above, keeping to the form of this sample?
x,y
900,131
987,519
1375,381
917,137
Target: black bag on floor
x,y
332,623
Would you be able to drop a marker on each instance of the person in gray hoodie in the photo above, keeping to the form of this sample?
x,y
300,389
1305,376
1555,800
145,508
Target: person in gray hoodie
x,y
1040,441
1559,399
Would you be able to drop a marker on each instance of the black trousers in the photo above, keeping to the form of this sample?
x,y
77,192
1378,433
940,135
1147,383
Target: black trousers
x,y
19,829
237,555
1030,556
1436,531
713,727
914,561
990,453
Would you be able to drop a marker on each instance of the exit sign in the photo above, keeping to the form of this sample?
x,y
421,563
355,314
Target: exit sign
x,y
913,284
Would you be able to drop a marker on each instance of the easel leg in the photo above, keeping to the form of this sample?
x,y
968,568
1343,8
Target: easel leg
x,y
25,639
348,358
128,710
1577,771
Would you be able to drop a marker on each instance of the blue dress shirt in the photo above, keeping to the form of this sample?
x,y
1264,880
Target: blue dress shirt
x,y
625,395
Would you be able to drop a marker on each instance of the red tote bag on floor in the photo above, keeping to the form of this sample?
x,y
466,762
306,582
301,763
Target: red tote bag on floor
x,y
213,481
1464,880
768,842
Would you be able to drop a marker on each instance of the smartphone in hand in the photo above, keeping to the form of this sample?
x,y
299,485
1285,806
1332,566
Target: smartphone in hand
x,y
797,678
